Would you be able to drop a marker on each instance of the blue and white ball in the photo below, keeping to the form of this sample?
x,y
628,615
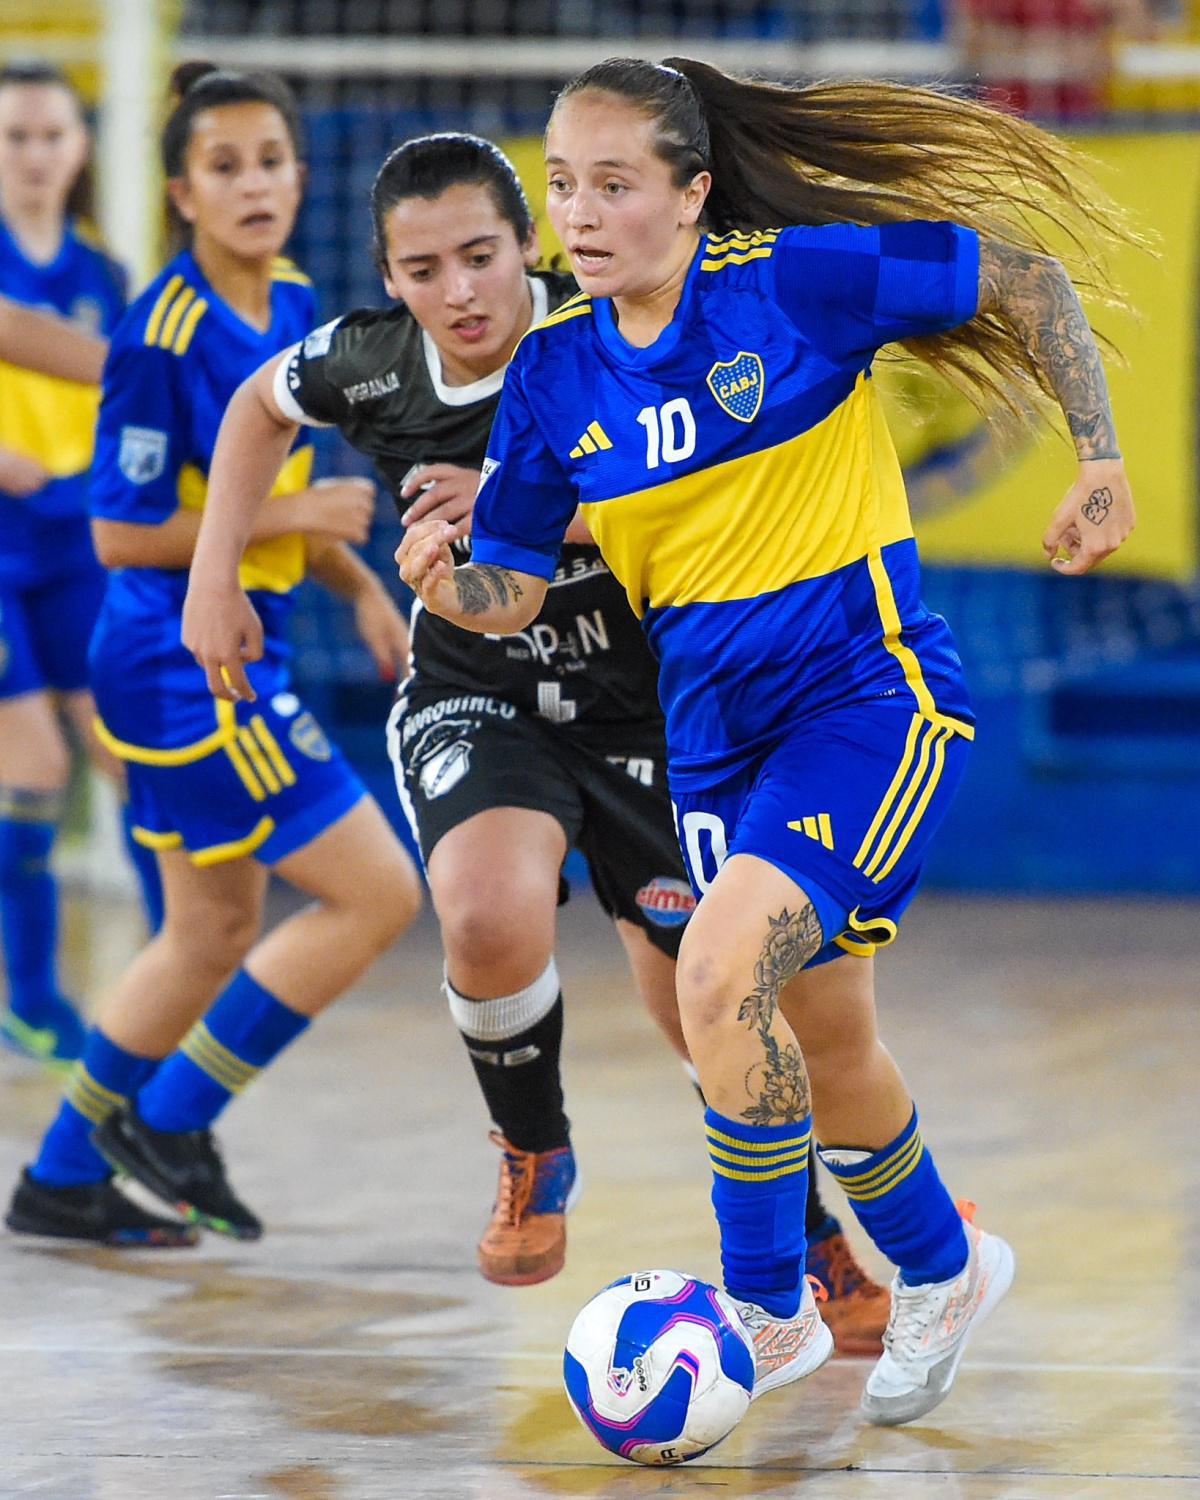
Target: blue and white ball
x,y
659,1367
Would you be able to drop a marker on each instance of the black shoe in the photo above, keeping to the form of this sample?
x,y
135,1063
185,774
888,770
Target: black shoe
x,y
97,1212
184,1169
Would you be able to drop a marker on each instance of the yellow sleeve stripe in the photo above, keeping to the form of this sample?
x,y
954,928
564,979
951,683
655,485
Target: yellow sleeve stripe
x,y
217,854
165,298
283,269
796,1157
741,239
759,1147
174,317
188,327
762,253
562,316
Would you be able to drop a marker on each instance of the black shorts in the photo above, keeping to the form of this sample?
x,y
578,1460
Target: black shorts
x,y
456,754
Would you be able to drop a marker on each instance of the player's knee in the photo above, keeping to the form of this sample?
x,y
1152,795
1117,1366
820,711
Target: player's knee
x,y
214,941
396,901
489,929
707,985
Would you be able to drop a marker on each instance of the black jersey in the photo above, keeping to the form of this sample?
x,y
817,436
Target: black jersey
x,y
376,375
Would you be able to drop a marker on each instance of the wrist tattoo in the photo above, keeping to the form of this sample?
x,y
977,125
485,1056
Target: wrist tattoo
x,y
482,586
1097,505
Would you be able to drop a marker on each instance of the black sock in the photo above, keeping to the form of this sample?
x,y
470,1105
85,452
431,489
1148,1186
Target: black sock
x,y
515,1043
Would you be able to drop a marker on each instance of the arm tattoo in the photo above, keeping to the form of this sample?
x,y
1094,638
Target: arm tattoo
x,y
778,1085
1035,295
483,585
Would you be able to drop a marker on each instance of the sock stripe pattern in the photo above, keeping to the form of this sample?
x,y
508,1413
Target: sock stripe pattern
x,y
90,1098
749,1161
865,1186
902,1203
225,1067
760,1193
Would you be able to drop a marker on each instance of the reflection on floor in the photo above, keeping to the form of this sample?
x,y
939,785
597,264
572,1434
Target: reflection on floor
x,y
354,1354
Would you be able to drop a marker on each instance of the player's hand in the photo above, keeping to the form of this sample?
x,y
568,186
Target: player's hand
x,y
222,630
444,492
21,476
1094,519
427,564
382,630
341,508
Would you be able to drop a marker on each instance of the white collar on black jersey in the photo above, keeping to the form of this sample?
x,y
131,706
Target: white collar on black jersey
x,y
465,395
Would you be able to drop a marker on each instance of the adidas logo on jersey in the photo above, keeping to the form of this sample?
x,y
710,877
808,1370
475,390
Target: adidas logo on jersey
x,y
819,828
592,441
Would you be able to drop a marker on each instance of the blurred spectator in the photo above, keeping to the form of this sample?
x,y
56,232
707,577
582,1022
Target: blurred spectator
x,y
1050,58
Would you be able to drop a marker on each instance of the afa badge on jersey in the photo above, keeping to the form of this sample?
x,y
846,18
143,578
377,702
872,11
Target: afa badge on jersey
x,y
142,455
738,385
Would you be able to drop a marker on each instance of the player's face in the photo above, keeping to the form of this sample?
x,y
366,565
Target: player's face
x,y
457,263
623,222
242,182
43,146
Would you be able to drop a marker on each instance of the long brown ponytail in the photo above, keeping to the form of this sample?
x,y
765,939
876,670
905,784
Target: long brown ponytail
x,y
871,152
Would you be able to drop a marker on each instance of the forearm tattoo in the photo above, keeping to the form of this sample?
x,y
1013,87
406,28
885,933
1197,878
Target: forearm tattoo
x,y
1035,295
778,1085
483,586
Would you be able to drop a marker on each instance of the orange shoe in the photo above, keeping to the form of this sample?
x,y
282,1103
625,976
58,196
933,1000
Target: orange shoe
x,y
857,1309
526,1240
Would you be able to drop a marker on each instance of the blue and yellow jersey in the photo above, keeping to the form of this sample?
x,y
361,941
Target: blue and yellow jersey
x,y
176,359
53,421
740,479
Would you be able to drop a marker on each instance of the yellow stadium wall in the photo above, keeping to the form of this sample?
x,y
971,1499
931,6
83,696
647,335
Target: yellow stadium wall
x,y
997,519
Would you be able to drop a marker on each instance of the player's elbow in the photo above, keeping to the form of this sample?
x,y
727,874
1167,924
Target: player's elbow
x,y
110,545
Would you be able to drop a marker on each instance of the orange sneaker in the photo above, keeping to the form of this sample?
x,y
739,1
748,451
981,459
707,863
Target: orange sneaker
x,y
526,1240
857,1309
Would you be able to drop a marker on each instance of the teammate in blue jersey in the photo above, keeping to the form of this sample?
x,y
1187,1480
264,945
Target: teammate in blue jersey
x,y
50,581
707,400
222,795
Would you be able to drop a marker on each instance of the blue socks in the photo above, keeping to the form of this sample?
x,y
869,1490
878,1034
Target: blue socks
x,y
29,898
245,1029
105,1077
903,1205
760,1188
145,867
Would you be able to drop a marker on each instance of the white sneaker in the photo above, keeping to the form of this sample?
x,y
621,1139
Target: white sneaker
x,y
786,1349
928,1330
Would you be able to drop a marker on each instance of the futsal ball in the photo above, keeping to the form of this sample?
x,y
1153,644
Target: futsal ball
x,y
659,1367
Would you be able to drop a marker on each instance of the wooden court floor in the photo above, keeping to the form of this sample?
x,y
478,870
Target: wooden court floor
x,y
354,1354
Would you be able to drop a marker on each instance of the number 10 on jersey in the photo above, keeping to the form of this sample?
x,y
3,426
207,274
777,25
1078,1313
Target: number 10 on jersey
x,y
670,432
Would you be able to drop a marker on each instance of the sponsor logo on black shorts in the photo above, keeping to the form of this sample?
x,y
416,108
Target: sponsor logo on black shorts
x,y
666,902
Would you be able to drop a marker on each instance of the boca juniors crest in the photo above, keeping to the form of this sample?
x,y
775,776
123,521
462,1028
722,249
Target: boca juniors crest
x,y
738,385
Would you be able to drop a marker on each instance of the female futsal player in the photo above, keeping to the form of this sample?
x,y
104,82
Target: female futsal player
x,y
506,752
222,795
50,581
747,495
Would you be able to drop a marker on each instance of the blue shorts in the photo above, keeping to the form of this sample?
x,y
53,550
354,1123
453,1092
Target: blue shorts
x,y
273,785
845,805
45,628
